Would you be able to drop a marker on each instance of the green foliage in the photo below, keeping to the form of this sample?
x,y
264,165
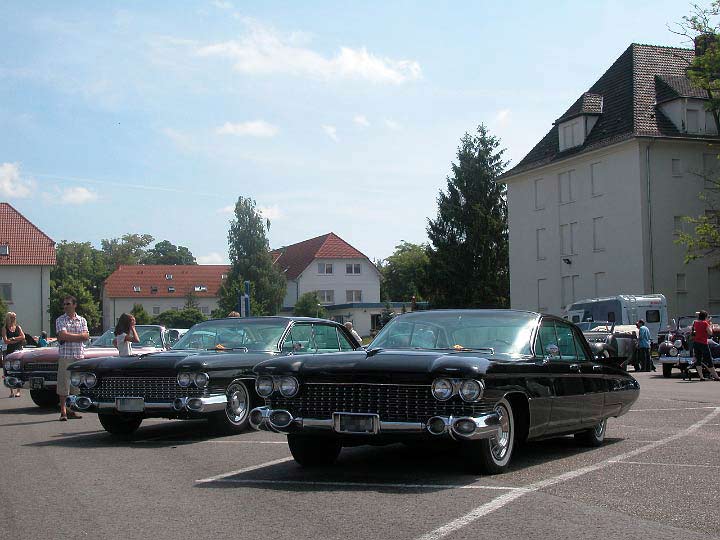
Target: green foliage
x,y
386,315
183,318
167,253
87,306
308,305
251,260
191,301
141,316
404,273
468,260
82,262
129,249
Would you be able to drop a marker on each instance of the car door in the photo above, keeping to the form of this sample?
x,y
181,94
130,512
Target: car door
x,y
594,381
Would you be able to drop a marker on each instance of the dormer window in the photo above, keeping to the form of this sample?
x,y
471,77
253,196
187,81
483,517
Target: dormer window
x,y
168,276
153,289
4,250
136,288
577,122
171,289
200,288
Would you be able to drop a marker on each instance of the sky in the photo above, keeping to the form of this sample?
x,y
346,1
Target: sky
x,y
154,117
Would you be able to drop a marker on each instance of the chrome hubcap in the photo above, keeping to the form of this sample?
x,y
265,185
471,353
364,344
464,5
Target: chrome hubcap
x,y
501,443
237,407
600,429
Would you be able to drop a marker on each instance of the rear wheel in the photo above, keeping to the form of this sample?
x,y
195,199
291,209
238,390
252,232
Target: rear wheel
x,y
667,370
594,436
120,425
234,419
45,399
492,456
311,451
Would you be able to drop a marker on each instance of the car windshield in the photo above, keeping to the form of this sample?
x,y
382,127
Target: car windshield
x,y
234,333
103,341
684,323
150,336
502,332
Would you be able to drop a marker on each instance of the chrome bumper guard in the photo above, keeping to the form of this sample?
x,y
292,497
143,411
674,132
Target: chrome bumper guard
x,y
461,428
206,404
13,382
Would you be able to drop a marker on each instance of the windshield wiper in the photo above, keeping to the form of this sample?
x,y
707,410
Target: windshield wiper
x,y
228,349
466,349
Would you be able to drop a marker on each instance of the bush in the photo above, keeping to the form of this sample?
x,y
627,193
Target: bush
x,y
308,305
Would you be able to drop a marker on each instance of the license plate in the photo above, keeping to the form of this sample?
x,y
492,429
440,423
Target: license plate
x,y
37,383
356,423
130,404
685,354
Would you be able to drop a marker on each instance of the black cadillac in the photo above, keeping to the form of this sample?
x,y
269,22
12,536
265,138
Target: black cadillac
x,y
206,374
487,379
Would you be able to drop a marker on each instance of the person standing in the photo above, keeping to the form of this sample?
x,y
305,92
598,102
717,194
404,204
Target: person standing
x,y
701,331
350,328
43,342
125,334
646,363
13,337
72,333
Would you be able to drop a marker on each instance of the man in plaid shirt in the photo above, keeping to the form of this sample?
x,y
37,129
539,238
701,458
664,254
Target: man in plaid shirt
x,y
72,333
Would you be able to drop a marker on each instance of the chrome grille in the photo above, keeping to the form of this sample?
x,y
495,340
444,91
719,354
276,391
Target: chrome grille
x,y
394,403
149,388
38,366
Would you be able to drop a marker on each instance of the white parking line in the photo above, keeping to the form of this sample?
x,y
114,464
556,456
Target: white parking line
x,y
677,409
366,484
507,498
692,466
197,441
244,470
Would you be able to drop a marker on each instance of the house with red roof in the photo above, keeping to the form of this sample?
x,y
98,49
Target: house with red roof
x,y
347,282
26,256
161,287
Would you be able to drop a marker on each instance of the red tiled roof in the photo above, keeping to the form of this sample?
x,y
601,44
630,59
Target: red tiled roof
x,y
121,283
296,258
27,244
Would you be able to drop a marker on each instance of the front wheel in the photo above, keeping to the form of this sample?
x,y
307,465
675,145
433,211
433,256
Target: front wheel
x,y
120,425
311,451
594,436
45,399
234,419
492,456
667,370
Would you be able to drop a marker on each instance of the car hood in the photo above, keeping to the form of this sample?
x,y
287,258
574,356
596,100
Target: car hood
x,y
51,354
396,366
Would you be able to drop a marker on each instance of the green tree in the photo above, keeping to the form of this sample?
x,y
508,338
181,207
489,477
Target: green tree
x,y
80,261
167,253
251,260
129,249
87,306
468,260
404,273
184,318
191,301
141,316
308,305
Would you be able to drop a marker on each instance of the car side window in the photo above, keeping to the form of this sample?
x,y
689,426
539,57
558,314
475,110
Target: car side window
x,y
546,337
345,345
582,354
299,340
326,339
566,342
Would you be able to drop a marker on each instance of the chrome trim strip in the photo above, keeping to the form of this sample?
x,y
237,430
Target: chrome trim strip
x,y
363,383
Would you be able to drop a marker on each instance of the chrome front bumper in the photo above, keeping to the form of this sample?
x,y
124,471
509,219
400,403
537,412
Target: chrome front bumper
x,y
12,381
180,406
463,428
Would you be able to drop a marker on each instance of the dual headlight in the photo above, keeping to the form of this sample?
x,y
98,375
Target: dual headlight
x,y
287,386
15,364
468,389
201,380
88,380
6,365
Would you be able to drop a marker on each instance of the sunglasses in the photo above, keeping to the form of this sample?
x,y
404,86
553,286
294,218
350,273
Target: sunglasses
x,y
68,304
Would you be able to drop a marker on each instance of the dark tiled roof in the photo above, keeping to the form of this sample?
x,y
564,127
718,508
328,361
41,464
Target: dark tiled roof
x,y
121,283
27,244
677,86
629,90
586,104
297,257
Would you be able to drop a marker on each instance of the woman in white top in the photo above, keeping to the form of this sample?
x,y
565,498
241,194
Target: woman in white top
x,y
125,334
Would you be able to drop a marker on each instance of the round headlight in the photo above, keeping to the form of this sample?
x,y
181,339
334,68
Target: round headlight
x,y
471,390
673,351
16,364
90,379
289,386
184,379
678,343
201,380
6,365
442,389
75,378
264,386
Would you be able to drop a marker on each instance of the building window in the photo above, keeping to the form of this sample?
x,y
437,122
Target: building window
x,y
223,276
539,195
693,116
5,293
136,288
596,179
353,296
599,283
568,141
569,238
4,250
353,268
168,276
325,268
153,289
681,283
565,187
204,310
156,310
710,171
200,288
541,295
171,289
679,224
598,241
710,128
540,244
676,167
326,297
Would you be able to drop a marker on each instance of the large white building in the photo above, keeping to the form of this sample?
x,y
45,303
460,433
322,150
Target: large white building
x,y
26,257
595,207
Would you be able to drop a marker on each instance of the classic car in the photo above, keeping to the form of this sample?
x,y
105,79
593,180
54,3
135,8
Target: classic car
x,y
614,342
676,350
36,368
207,373
487,379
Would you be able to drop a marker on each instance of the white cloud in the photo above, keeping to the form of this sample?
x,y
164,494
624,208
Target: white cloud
x,y
502,117
271,212
12,185
212,258
226,209
330,131
392,124
265,51
256,128
222,4
77,195
360,120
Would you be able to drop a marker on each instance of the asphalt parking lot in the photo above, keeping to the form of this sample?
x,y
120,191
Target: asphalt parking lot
x,y
656,477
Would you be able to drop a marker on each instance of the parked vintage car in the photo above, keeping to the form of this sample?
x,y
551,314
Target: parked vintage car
x,y
676,350
207,373
615,343
36,368
487,379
